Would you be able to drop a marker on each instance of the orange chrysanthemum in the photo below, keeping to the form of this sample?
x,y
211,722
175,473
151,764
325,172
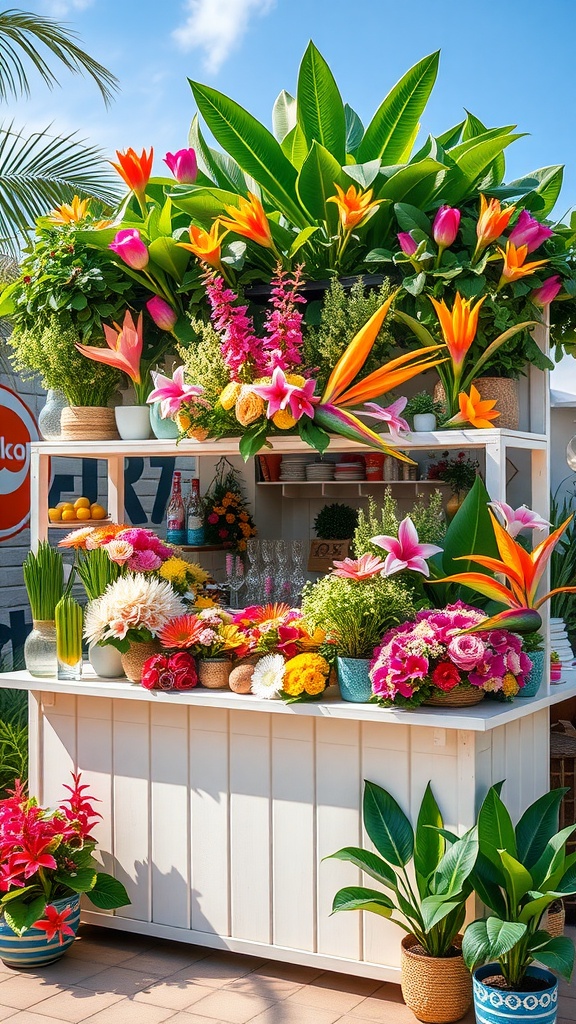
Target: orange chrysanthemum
x,y
181,632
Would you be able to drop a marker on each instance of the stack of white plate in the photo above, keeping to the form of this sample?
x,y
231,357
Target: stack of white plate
x,y
559,642
293,467
349,471
320,471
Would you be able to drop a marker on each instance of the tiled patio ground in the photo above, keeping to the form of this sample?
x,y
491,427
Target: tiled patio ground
x,y
112,978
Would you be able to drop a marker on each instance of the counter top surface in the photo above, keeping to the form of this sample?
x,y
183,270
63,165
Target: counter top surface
x,y
480,718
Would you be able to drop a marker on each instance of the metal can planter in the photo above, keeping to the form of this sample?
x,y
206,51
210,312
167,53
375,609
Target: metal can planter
x,y
33,948
534,680
353,679
498,1006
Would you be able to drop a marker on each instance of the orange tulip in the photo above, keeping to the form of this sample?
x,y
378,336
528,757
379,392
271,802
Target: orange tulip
x,y
492,222
70,213
476,411
354,206
249,220
514,266
459,326
206,245
134,169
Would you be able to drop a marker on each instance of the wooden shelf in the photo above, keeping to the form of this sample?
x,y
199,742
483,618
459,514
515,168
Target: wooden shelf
x,y
364,488
79,524
204,547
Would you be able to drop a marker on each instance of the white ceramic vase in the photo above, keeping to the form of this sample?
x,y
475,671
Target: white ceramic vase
x,y
106,661
133,422
424,422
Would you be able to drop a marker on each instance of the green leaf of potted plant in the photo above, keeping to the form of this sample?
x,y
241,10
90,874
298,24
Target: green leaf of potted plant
x,y
427,902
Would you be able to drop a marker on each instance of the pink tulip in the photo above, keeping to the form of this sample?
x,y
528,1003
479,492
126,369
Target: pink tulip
x,y
358,569
389,415
183,165
277,393
547,291
515,520
529,232
126,348
172,393
407,243
162,313
130,247
445,226
405,551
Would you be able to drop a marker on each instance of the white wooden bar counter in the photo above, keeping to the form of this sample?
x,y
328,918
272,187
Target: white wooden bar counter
x,y
218,808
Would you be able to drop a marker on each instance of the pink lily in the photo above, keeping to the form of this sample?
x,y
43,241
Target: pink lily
x,y
445,226
407,243
405,551
529,232
547,291
129,246
183,165
515,520
302,400
277,394
172,393
390,415
162,313
126,344
358,569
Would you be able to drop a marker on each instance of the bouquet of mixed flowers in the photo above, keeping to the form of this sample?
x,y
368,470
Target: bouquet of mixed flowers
x,y
227,518
209,634
300,678
47,855
433,654
277,628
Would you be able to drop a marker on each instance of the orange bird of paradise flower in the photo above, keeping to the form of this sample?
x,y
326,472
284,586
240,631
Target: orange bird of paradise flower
x,y
459,326
515,266
492,222
249,220
522,571
206,245
354,206
475,410
70,213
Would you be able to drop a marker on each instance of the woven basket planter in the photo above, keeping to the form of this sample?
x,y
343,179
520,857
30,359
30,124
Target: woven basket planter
x,y
502,390
438,990
463,696
214,673
555,919
133,660
88,423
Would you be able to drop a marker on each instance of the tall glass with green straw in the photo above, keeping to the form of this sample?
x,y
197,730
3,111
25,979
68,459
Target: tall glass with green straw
x,y
69,620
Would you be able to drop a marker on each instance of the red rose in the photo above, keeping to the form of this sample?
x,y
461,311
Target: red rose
x,y
212,518
183,669
152,669
446,676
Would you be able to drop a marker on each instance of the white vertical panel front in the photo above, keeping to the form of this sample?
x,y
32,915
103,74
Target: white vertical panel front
x,y
209,806
131,754
170,831
58,747
95,763
250,834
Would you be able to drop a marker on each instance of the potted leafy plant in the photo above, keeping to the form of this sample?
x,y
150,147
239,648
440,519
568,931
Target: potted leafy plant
x,y
46,858
459,472
427,901
521,870
425,412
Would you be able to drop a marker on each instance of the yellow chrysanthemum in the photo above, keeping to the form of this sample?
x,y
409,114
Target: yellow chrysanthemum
x,y
230,394
509,685
306,672
205,602
249,407
196,573
296,379
283,419
174,570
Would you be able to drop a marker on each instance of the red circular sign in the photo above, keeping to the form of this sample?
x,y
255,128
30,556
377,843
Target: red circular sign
x,y
17,428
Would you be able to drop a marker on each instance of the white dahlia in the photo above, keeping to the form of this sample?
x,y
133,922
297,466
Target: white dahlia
x,y
133,601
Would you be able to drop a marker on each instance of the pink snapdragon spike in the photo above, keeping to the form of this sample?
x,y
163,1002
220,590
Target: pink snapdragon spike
x,y
183,165
55,923
162,313
125,344
405,551
515,520
445,226
547,291
390,415
277,394
172,393
129,247
529,232
358,569
407,243
302,400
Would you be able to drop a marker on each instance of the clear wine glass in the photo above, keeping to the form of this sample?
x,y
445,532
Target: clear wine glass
x,y
254,574
267,577
297,574
282,588
235,578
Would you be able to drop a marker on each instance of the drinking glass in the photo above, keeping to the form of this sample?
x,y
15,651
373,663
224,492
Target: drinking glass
x,y
297,574
252,594
282,589
235,579
267,577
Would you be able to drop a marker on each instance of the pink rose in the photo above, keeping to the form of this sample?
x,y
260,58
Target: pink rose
x,y
183,669
466,651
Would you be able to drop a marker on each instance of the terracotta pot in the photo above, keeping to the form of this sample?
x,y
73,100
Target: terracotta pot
x,y
133,660
438,990
88,423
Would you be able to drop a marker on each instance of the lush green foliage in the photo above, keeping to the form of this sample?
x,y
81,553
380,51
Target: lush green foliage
x,y
520,871
427,516
428,902
423,402
563,562
13,738
336,522
44,580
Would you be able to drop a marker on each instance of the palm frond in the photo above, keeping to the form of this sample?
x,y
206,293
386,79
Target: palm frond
x,y
40,171
20,34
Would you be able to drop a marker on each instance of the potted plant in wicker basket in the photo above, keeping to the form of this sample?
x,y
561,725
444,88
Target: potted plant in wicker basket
x,y
426,900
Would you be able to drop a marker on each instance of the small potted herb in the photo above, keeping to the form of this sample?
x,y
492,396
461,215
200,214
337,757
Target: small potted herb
x,y
424,411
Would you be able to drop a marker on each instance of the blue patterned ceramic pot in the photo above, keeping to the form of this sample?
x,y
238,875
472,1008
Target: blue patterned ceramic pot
x,y
536,676
496,1006
353,679
162,429
33,948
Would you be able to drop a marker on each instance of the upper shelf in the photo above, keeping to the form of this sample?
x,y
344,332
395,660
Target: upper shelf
x,y
285,444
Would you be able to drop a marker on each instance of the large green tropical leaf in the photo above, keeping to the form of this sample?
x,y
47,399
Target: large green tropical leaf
x,y
252,146
318,175
486,880
495,828
202,204
320,109
490,939
472,158
283,115
548,871
456,865
358,898
473,127
415,184
435,909
470,532
218,166
392,126
452,136
354,129
165,252
518,879
295,147
537,825
555,953
429,844
542,199
387,825
369,862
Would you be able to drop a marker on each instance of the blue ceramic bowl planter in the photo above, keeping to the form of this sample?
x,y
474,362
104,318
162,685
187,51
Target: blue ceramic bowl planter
x,y
33,948
497,1006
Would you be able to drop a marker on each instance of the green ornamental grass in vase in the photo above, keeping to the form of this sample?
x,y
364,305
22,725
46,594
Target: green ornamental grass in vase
x,y
44,580
69,620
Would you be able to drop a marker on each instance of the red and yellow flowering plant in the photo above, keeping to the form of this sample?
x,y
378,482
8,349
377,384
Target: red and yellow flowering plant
x,y
47,855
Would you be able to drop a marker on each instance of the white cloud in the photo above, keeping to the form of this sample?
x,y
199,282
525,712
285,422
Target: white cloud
x,y
217,27
60,8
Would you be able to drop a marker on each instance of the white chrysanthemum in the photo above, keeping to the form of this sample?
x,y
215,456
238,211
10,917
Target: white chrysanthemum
x,y
268,676
131,602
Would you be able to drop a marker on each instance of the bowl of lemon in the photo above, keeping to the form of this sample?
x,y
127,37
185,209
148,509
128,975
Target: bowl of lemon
x,y
82,510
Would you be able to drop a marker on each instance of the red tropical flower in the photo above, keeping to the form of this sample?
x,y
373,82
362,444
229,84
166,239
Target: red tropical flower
x,y
34,855
446,676
55,923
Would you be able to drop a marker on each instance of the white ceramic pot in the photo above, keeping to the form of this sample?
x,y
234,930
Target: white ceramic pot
x,y
424,422
133,422
106,661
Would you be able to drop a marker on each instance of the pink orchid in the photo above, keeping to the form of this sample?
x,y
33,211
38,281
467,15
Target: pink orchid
x,y
129,246
302,400
529,232
547,291
407,243
277,394
390,415
405,551
515,520
358,569
126,347
172,393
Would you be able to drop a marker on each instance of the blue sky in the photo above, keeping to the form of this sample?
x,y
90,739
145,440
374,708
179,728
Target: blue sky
x,y
507,61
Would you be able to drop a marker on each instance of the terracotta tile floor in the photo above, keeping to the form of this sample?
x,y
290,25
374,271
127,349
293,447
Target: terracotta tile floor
x,y
112,978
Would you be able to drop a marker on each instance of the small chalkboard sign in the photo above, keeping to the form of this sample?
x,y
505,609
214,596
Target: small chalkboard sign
x,y
323,553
